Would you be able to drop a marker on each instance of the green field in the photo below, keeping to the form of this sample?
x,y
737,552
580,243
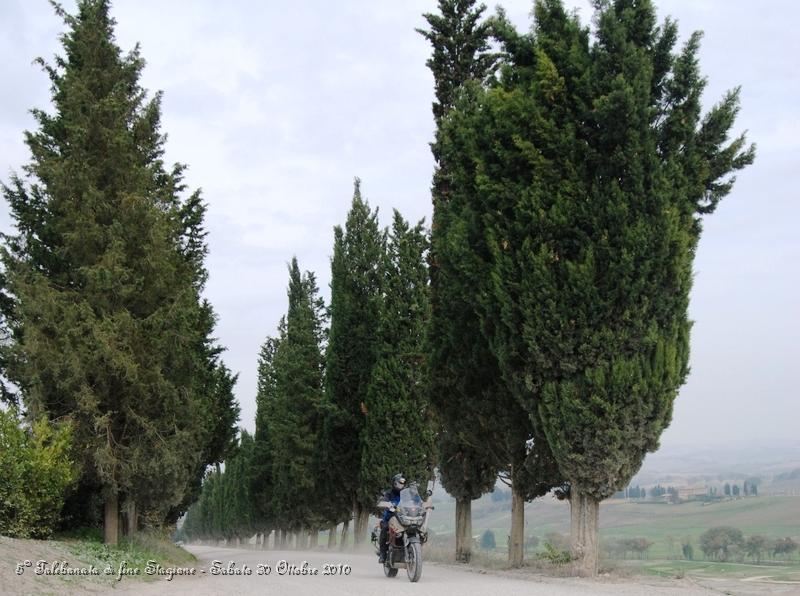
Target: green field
x,y
664,524
707,573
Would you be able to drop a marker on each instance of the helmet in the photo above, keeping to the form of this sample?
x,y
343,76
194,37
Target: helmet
x,y
398,482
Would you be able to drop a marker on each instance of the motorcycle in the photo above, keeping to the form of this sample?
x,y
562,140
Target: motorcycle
x,y
408,531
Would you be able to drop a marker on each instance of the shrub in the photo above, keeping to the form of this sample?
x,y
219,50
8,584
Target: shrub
x,y
36,472
488,541
554,555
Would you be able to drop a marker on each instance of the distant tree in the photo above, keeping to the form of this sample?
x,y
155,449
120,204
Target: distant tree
x,y
639,546
658,491
727,489
261,464
688,550
755,546
488,541
721,543
784,547
735,490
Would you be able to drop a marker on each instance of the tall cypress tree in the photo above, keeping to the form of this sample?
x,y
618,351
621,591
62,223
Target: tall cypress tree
x,y
398,432
297,414
462,369
261,464
499,425
352,351
103,279
595,164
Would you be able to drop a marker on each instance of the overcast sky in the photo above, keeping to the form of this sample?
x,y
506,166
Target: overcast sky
x,y
276,107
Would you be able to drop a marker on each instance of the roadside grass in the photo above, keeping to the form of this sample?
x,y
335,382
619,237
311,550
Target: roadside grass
x,y
134,553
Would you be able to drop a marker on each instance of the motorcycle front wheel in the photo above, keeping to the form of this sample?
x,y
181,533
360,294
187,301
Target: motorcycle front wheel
x,y
414,561
389,571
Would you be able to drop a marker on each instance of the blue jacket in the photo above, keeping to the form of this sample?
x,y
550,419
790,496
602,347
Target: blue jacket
x,y
393,496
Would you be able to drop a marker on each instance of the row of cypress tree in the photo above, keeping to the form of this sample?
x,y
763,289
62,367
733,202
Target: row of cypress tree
x,y
103,319
573,170
340,409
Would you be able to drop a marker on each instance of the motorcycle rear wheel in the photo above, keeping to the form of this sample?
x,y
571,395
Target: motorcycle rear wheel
x,y
414,561
389,571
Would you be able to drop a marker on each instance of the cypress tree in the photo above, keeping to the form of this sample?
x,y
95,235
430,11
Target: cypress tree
x,y
398,434
261,464
595,165
351,354
103,279
462,369
297,414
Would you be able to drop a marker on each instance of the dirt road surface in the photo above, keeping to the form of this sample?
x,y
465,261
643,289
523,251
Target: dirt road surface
x,y
366,579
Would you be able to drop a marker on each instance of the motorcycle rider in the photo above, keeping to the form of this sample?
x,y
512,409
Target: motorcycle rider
x,y
392,496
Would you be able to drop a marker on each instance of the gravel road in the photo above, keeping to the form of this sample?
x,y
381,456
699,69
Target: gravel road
x,y
366,579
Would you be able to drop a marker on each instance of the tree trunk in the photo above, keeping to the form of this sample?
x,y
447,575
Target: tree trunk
x,y
360,521
332,537
313,538
584,516
111,524
282,534
516,542
343,541
463,530
130,521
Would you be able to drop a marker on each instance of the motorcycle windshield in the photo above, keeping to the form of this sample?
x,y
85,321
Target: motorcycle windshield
x,y
410,501
409,497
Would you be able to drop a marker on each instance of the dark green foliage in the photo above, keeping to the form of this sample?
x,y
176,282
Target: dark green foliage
x,y
398,432
462,369
467,315
295,420
261,463
356,278
103,280
592,165
460,50
238,501
36,472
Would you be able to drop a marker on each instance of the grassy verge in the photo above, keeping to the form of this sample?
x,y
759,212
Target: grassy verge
x,y
131,556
